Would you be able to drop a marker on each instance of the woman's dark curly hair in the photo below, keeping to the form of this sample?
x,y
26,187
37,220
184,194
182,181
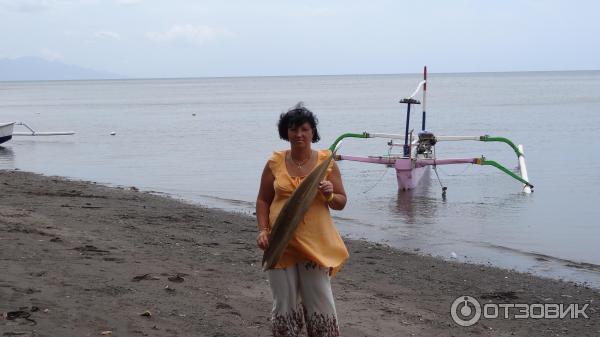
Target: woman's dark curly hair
x,y
295,117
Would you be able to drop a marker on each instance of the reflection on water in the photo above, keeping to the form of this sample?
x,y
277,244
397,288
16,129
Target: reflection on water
x,y
415,207
7,157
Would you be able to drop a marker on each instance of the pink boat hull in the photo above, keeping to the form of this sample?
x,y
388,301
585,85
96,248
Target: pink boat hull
x,y
408,177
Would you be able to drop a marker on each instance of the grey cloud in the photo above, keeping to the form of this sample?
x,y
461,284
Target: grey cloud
x,y
189,33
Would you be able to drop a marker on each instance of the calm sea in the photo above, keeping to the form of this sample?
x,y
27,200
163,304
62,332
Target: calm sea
x,y
207,140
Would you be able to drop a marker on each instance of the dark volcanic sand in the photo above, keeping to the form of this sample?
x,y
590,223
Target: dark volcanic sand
x,y
80,259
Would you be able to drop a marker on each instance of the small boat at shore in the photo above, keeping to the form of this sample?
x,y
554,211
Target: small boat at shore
x,y
7,132
418,152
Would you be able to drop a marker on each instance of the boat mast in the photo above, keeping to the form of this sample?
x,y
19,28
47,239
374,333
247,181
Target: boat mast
x,y
406,147
424,96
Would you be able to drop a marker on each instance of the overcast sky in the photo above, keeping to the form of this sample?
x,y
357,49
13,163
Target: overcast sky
x,y
189,38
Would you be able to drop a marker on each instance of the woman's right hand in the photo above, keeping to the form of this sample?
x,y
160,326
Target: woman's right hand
x,y
262,240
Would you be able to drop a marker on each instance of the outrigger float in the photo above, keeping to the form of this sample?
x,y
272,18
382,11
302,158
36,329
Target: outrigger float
x,y
6,132
418,153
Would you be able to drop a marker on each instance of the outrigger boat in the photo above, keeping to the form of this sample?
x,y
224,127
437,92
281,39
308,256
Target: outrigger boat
x,y
6,132
418,153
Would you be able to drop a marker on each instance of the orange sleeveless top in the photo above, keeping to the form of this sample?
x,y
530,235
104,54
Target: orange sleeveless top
x,y
316,237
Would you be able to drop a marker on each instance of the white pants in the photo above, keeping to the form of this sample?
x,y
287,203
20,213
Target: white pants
x,y
303,291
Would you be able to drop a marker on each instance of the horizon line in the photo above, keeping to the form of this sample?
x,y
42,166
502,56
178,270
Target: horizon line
x,y
301,75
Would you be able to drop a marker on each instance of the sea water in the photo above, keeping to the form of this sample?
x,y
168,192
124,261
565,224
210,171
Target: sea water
x,y
207,141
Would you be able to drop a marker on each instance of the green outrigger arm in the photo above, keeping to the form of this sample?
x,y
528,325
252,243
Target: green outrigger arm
x,y
348,135
487,138
483,161
515,148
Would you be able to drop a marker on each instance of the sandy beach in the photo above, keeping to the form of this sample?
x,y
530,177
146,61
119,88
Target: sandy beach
x,y
81,259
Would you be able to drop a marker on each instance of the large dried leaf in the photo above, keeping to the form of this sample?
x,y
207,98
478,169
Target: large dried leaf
x,y
292,213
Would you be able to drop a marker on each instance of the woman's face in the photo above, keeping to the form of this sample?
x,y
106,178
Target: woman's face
x,y
300,135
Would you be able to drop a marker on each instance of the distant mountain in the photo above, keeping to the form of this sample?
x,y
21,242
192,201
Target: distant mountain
x,y
39,69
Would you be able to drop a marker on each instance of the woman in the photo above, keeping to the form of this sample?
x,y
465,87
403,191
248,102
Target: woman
x,y
300,281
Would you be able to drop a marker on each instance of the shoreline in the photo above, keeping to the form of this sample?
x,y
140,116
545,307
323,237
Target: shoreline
x,y
92,258
556,268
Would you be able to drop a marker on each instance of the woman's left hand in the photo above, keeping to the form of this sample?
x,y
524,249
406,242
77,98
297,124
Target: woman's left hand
x,y
326,188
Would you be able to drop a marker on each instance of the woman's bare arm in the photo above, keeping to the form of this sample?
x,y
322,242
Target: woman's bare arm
x,y
266,193
334,185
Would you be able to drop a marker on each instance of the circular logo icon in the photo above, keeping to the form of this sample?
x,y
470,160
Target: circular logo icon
x,y
465,311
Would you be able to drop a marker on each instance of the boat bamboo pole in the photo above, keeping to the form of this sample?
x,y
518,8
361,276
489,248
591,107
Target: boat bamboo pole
x,y
65,133
485,138
35,133
385,135
456,138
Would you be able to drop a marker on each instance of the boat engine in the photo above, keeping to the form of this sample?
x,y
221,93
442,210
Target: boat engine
x,y
426,143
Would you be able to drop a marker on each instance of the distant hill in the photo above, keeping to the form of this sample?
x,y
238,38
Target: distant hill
x,y
39,69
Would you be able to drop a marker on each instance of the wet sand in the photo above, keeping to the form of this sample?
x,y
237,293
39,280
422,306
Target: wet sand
x,y
81,259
